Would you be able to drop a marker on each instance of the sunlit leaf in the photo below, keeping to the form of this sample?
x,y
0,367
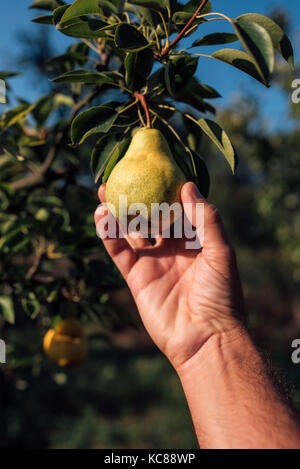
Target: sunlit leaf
x,y
89,77
30,304
215,39
239,59
80,8
219,137
257,42
7,309
280,40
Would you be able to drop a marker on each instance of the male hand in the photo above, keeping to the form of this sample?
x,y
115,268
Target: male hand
x,y
185,297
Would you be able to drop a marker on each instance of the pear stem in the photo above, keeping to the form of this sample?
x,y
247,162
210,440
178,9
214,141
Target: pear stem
x,y
184,30
142,99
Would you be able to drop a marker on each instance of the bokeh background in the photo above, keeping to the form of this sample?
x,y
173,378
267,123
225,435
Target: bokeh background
x,y
126,395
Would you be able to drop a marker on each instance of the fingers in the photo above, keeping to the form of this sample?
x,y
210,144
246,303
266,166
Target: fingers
x,y
117,247
135,240
101,193
213,233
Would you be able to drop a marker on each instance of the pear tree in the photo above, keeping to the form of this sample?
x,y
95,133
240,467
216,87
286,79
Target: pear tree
x,y
131,64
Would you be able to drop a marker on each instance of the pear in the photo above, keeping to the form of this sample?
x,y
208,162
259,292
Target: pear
x,y
147,174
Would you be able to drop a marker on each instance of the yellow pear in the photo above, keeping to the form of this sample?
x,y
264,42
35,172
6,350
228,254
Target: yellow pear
x,y
147,174
65,345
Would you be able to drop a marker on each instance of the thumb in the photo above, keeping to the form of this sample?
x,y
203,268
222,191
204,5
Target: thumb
x,y
213,230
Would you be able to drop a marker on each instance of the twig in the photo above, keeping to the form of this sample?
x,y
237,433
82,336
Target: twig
x,y
90,45
143,101
183,31
165,28
37,260
140,116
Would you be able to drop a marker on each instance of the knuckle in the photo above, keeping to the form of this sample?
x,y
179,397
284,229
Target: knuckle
x,y
213,213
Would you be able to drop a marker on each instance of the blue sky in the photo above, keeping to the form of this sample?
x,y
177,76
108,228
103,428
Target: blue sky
x,y
16,17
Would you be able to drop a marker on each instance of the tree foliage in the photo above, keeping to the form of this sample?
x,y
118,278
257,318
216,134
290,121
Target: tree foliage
x,y
51,262
124,69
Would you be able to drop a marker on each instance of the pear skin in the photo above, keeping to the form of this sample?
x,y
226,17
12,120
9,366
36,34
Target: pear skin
x,y
146,174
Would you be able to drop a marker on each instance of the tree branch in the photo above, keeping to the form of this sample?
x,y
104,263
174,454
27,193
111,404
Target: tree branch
x,y
39,176
184,30
143,101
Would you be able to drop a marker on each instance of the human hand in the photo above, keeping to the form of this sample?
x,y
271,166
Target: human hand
x,y
184,296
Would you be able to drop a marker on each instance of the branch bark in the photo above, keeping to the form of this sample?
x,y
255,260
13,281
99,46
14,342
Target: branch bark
x,y
184,30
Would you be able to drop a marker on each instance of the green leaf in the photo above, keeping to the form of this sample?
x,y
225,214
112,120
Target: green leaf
x,y
201,177
7,74
118,153
98,119
7,309
238,59
202,90
89,77
184,67
101,154
280,40
43,109
192,94
182,17
87,28
169,76
192,6
158,5
31,304
107,152
46,4
58,14
10,146
63,100
17,237
126,118
46,19
194,137
81,8
13,116
185,12
219,137
138,65
257,42
215,39
148,17
129,38
77,54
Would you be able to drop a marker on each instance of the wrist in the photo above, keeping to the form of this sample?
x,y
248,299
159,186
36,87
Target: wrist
x,y
219,349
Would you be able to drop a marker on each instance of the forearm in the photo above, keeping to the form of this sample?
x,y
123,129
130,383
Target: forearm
x,y
233,402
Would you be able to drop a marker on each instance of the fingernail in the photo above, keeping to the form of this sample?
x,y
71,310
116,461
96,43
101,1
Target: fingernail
x,y
194,191
101,210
